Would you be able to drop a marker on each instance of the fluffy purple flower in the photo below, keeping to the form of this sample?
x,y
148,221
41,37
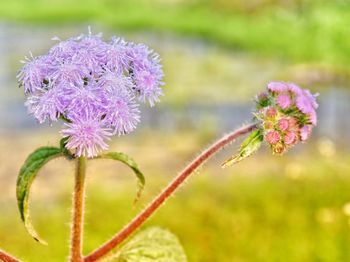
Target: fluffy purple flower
x,y
63,50
313,118
113,80
148,81
86,136
284,101
68,72
46,105
305,100
294,89
304,104
312,98
95,86
33,73
277,87
305,132
138,53
117,58
90,98
91,52
287,113
147,73
123,113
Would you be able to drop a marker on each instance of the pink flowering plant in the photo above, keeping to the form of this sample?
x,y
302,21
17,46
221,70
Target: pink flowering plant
x,y
285,114
95,88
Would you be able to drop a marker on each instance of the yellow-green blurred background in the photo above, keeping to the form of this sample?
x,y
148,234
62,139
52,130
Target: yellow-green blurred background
x,y
217,55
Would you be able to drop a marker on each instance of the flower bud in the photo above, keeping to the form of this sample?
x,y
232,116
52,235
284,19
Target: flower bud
x,y
271,112
290,138
288,115
268,125
283,124
272,137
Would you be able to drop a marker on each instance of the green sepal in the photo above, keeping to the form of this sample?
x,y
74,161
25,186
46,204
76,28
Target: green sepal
x,y
264,102
124,158
153,244
27,173
249,146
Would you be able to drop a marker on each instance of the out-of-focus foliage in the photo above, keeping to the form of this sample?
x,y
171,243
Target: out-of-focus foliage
x,y
300,30
258,210
152,244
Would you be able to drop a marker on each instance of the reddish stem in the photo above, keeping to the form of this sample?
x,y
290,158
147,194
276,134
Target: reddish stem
x,y
78,209
164,195
6,257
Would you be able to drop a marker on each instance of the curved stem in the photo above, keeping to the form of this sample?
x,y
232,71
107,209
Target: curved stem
x,y
6,257
164,195
78,211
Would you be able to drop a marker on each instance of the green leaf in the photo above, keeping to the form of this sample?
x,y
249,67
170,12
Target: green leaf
x,y
151,245
249,146
64,150
27,173
124,158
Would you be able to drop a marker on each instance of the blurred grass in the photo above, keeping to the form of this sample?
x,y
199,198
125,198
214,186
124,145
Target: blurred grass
x,y
301,31
293,208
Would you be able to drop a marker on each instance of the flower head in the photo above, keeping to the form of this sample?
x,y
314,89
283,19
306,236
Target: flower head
x,y
82,97
287,113
46,105
95,86
33,74
284,101
117,58
86,135
147,73
123,113
278,87
68,72
305,132
273,137
306,102
283,124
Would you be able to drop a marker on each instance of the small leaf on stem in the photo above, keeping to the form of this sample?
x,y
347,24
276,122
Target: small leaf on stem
x,y
27,173
124,158
249,146
153,244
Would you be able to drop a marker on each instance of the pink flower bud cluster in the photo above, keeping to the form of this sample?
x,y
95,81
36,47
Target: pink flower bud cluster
x,y
287,113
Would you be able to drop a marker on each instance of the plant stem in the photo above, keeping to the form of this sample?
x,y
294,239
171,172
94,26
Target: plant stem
x,y
6,257
78,210
164,195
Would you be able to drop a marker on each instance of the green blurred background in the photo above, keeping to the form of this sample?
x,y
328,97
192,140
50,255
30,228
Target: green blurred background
x,y
217,55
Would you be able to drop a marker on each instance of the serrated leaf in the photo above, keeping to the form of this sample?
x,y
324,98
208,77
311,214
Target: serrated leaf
x,y
124,158
151,245
249,146
27,173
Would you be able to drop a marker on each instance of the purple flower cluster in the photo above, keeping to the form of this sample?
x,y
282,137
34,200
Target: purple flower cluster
x,y
95,86
288,114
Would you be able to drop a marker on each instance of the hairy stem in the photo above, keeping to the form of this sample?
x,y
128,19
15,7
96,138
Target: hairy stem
x,y
78,211
164,195
6,257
